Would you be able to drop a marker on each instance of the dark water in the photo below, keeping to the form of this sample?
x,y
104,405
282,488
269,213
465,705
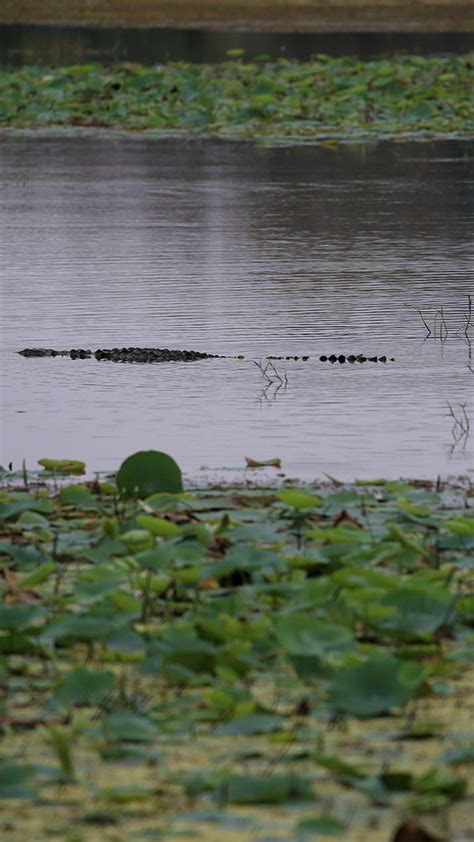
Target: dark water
x,y
63,45
237,249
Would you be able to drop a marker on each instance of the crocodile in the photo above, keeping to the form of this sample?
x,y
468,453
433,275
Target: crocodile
x,y
121,355
155,355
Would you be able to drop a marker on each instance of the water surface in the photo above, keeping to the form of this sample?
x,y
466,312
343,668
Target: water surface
x,y
237,249
64,45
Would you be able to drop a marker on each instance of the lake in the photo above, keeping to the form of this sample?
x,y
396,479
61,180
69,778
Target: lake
x,y
238,249
63,45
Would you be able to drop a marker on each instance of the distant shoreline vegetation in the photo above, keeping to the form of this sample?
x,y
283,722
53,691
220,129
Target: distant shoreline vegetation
x,y
346,98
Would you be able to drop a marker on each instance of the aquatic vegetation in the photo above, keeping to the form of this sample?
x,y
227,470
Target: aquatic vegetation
x,y
284,100
439,329
149,472
189,659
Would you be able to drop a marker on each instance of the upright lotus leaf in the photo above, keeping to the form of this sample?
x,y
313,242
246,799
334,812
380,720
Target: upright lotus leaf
x,y
179,653
248,559
18,503
79,496
87,628
158,559
375,686
301,634
462,526
83,686
418,611
137,540
148,472
123,726
16,616
340,535
310,643
158,526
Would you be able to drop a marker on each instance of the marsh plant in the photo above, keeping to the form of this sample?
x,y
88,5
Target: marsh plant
x,y
436,326
461,425
225,648
323,99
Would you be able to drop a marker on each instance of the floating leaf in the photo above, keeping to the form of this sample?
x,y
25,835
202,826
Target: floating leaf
x,y
274,789
321,826
248,726
268,463
126,794
63,466
235,52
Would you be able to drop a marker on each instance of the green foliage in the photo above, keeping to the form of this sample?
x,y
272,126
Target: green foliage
x,y
123,726
16,778
259,632
78,495
63,466
375,686
253,723
325,97
275,789
61,743
158,526
85,687
148,472
321,826
296,498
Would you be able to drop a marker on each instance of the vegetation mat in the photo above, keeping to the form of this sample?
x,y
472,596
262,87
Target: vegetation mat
x,y
235,664
286,100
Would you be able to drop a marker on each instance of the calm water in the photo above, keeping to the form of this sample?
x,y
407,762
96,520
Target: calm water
x,y
60,45
235,249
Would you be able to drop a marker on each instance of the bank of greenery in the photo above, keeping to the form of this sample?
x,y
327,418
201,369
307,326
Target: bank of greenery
x,y
175,663
342,97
